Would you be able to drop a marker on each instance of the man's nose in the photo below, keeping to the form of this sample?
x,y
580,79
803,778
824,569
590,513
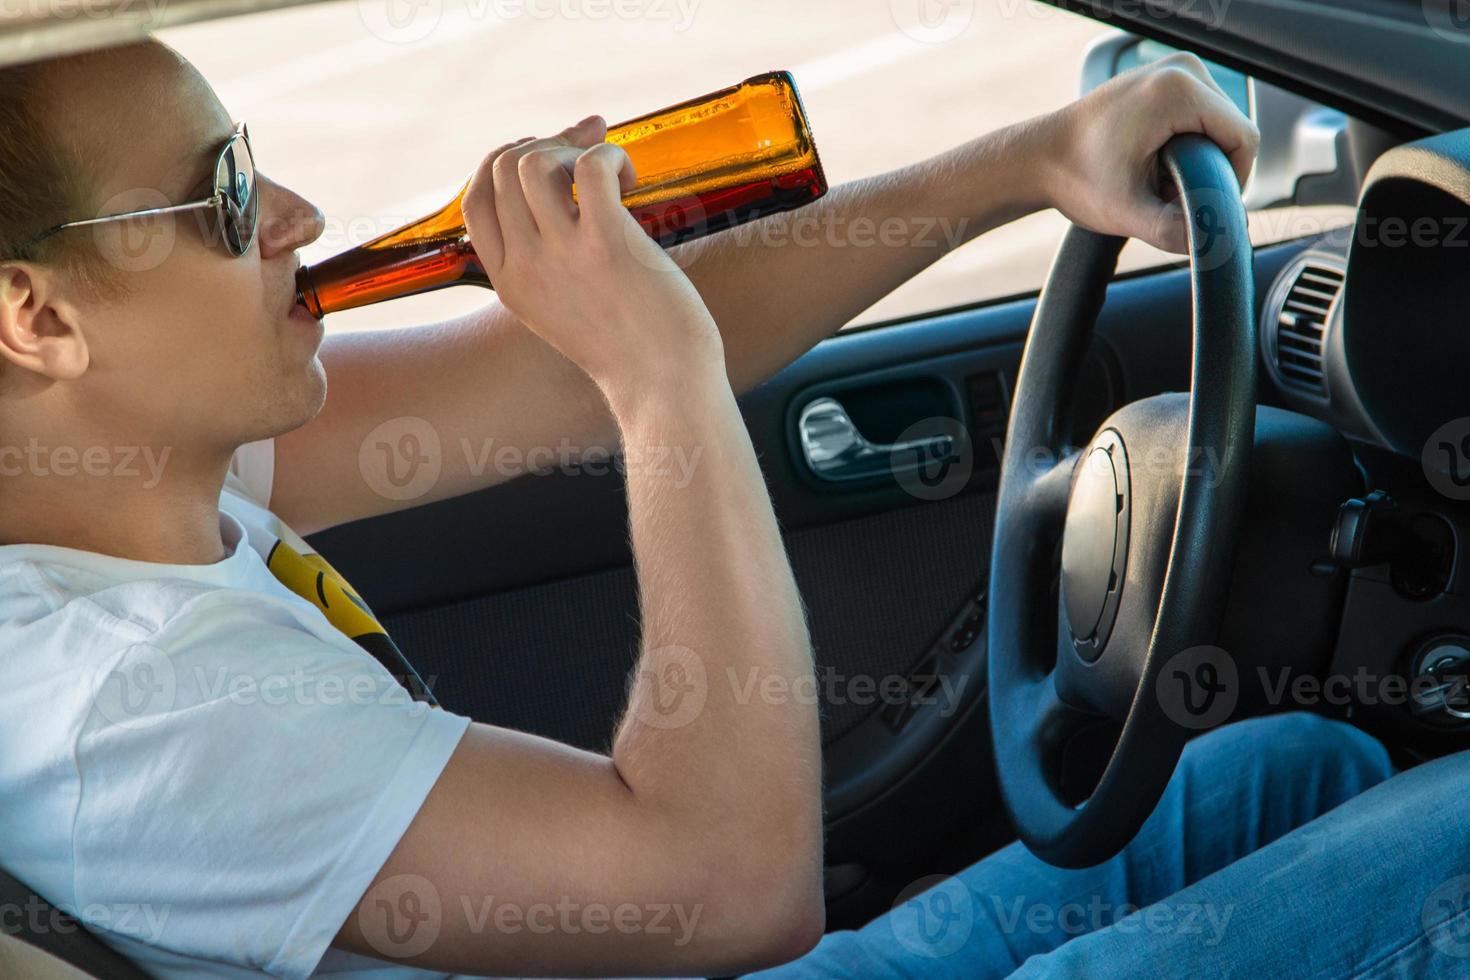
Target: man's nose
x,y
288,221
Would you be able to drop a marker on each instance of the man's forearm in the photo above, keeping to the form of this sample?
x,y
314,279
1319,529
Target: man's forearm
x,y
775,287
778,286
720,725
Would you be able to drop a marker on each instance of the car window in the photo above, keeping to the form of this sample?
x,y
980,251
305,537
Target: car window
x,y
378,111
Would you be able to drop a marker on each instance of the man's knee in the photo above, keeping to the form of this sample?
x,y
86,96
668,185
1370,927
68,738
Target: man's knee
x,y
1294,747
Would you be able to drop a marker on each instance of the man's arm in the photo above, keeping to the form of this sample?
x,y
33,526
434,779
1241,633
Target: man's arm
x,y
696,846
502,402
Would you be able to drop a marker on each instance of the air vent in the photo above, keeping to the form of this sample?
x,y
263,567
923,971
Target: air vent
x,y
1301,327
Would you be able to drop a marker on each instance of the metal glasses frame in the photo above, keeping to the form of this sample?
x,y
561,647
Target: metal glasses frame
x,y
220,200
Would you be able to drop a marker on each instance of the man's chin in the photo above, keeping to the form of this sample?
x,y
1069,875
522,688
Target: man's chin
x,y
315,396
301,401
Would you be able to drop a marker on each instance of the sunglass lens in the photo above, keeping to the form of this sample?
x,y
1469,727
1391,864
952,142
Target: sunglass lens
x,y
236,181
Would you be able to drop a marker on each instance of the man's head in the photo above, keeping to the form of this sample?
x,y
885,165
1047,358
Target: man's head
x,y
140,332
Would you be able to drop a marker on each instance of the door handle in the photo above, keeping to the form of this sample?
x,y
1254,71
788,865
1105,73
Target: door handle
x,y
835,450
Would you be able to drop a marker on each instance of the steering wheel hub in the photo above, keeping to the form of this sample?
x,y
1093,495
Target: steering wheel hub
x,y
1095,544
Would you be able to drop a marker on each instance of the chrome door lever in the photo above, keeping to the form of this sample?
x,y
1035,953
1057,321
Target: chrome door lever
x,y
835,449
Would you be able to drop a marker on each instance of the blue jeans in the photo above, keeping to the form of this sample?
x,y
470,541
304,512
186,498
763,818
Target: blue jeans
x,y
1241,870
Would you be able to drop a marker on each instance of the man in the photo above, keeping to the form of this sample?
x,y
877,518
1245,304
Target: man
x,y
218,779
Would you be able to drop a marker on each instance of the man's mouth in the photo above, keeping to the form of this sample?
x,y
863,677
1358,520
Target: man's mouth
x,y
298,307
299,312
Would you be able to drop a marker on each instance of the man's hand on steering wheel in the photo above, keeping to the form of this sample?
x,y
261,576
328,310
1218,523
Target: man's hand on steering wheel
x,y
1145,550
1105,173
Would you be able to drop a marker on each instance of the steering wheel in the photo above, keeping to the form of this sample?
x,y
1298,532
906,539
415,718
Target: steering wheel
x,y
1147,515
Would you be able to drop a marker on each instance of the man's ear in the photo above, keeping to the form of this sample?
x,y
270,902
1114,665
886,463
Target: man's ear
x,y
39,330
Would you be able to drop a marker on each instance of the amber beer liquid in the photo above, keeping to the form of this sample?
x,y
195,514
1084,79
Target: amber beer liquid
x,y
738,154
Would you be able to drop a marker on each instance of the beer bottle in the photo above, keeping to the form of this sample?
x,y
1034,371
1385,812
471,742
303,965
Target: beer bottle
x,y
704,165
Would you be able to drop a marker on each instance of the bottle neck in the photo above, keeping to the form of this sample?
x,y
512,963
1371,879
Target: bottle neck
x,y
373,273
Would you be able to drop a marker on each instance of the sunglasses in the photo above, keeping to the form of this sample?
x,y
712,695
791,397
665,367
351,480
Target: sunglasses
x,y
235,205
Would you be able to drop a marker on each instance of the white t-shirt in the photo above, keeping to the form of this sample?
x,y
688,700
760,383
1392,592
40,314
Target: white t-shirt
x,y
194,761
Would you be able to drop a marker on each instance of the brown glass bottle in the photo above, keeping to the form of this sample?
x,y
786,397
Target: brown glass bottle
x,y
703,165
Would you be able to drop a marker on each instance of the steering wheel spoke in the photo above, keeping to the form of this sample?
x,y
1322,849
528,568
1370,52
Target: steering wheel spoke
x,y
1055,718
1051,488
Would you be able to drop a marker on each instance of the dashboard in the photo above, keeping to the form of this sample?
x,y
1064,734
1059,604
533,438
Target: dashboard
x,y
1367,329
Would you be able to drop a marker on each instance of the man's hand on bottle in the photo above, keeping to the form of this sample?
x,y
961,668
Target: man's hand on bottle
x,y
579,270
1100,154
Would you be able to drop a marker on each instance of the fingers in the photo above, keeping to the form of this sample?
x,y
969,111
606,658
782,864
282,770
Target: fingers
x,y
1197,105
516,221
1193,106
1161,216
1164,228
545,175
523,192
1223,123
1193,64
482,219
603,174
517,217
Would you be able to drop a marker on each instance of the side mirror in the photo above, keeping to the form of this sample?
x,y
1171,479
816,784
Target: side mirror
x,y
1306,154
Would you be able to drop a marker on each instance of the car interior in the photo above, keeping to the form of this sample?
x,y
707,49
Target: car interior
x,y
948,592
